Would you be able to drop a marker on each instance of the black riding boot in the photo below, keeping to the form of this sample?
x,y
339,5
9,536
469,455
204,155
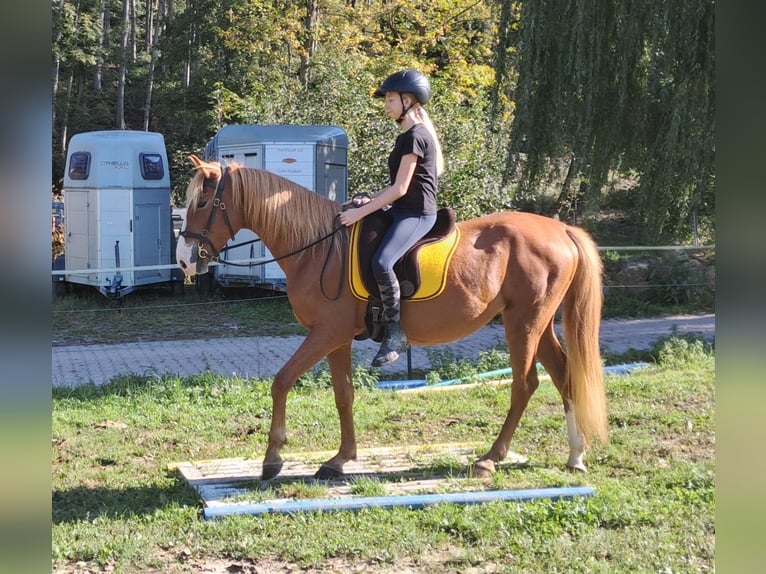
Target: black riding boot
x,y
395,341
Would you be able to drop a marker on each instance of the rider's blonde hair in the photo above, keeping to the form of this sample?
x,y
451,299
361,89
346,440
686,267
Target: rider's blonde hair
x,y
421,115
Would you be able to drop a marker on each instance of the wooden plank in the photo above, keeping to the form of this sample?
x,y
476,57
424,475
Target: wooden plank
x,y
393,471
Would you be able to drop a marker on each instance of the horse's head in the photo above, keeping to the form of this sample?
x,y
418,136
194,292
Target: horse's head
x,y
209,225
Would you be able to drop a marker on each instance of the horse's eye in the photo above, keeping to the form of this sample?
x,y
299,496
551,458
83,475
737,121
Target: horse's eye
x,y
201,203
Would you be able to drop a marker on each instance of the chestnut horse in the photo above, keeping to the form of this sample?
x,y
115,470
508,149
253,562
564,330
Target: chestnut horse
x,y
520,265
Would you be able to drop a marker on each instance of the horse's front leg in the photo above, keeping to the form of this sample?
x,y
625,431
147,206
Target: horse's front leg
x,y
313,349
343,387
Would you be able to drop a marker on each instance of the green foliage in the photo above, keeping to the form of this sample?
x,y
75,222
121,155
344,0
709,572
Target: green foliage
x,y
674,282
320,376
521,92
681,352
621,86
449,365
364,486
675,351
617,303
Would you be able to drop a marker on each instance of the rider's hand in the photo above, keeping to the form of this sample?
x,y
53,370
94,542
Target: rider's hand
x,y
350,216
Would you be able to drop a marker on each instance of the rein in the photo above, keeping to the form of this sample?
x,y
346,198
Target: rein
x,y
330,235
203,239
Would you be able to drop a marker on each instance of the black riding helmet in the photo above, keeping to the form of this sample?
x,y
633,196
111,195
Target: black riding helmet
x,y
406,81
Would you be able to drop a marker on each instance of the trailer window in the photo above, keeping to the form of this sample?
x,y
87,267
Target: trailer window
x,y
151,166
79,165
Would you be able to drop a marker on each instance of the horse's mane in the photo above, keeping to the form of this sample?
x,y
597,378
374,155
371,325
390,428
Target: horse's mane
x,y
279,209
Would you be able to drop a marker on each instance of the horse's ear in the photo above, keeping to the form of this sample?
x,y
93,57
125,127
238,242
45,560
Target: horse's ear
x,y
210,170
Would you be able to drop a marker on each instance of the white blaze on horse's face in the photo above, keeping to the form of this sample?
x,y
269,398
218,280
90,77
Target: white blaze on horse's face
x,y
187,257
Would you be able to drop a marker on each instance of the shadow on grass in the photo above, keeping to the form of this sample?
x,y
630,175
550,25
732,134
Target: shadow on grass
x,y
84,503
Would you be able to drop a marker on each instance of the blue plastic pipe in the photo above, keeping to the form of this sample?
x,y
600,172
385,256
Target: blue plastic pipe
x,y
420,383
414,384
413,501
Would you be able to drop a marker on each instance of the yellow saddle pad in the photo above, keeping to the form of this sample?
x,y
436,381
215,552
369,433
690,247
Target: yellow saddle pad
x,y
432,260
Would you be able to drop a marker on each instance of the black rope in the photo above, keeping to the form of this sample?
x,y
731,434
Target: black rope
x,y
296,252
256,240
330,235
342,275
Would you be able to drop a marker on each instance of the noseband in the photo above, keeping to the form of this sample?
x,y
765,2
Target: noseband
x,y
202,237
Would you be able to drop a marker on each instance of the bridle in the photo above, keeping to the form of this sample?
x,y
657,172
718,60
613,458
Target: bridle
x,y
218,204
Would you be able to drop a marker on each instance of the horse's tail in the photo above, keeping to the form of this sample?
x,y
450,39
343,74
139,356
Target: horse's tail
x,y
582,319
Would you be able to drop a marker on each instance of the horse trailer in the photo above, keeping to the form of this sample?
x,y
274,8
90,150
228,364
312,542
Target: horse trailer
x,y
315,157
118,215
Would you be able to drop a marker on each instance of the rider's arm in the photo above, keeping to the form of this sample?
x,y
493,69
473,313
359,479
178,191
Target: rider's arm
x,y
387,195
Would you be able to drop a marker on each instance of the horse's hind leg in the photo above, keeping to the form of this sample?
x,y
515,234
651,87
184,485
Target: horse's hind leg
x,y
522,345
553,358
343,387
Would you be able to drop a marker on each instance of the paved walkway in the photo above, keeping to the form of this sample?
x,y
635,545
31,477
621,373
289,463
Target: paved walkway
x,y
264,356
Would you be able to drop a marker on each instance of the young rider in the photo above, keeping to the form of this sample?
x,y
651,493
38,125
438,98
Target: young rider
x,y
414,166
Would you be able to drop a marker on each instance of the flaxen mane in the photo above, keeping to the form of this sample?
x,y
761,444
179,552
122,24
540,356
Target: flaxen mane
x,y
275,206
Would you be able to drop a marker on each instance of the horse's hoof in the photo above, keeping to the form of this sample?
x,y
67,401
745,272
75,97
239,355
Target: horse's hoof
x,y
579,468
271,469
483,469
327,473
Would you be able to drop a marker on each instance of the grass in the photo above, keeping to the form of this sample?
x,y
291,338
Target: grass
x,y
117,508
87,317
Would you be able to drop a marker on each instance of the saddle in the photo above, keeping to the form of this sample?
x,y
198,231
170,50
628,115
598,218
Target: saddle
x,y
422,271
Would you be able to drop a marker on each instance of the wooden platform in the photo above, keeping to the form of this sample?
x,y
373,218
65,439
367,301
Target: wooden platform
x,y
412,476
397,470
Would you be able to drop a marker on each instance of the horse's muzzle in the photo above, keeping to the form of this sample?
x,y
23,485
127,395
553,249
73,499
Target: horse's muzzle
x,y
188,259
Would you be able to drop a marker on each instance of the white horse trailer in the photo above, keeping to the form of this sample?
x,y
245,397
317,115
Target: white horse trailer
x,y
117,206
315,157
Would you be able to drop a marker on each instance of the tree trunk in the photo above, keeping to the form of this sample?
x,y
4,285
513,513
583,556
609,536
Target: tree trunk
x,y
186,81
133,42
310,41
104,47
120,115
65,120
70,82
56,66
149,32
558,206
153,62
501,63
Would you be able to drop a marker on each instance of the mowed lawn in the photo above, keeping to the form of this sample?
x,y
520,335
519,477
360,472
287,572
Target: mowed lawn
x,y
117,507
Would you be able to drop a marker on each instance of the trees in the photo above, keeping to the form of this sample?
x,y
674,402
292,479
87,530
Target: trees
x,y
620,86
591,88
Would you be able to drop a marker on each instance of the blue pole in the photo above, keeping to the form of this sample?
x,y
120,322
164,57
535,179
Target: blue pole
x,y
412,501
421,383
